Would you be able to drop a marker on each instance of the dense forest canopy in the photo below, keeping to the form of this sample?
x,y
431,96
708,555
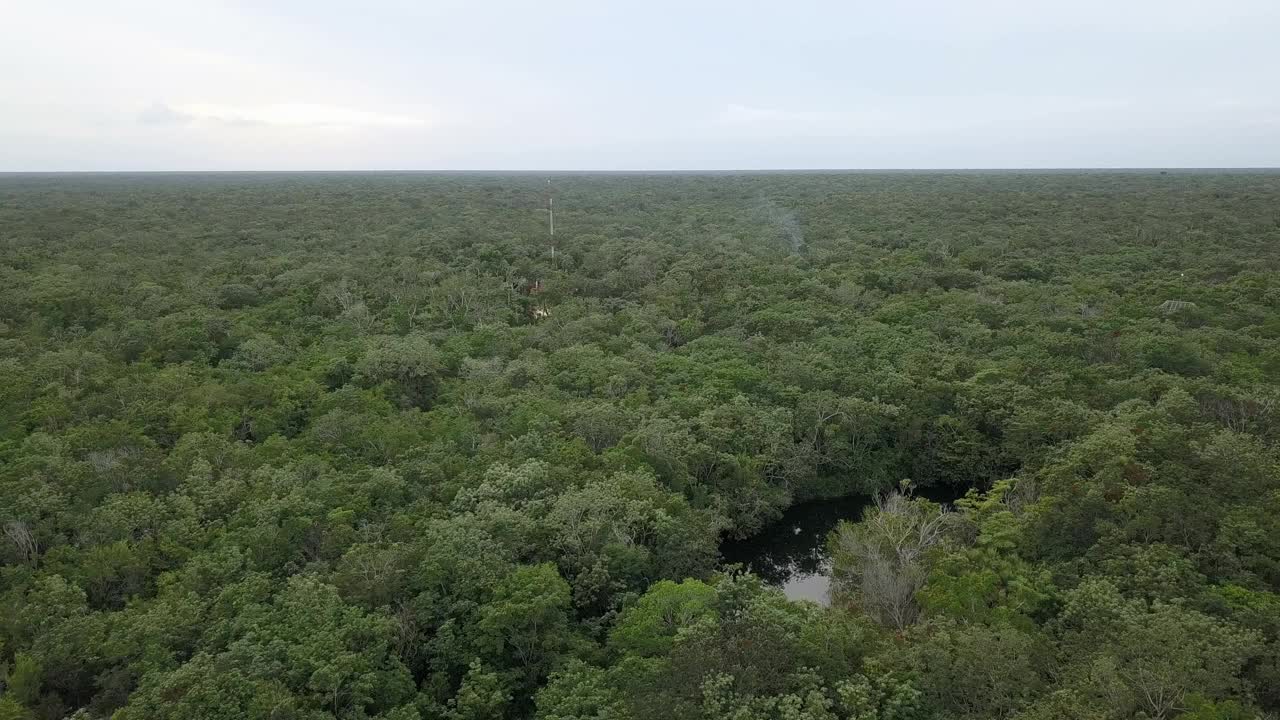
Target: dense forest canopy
x,y
362,445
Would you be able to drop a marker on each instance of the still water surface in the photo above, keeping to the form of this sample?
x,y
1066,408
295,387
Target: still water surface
x,y
791,553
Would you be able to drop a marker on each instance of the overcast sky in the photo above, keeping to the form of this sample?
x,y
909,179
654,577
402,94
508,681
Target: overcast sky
x,y
610,85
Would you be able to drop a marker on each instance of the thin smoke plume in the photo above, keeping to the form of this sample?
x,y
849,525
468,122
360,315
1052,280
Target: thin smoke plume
x,y
785,221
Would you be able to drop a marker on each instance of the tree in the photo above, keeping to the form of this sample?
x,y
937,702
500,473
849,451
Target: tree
x,y
11,709
979,671
650,627
23,679
883,561
526,624
410,365
986,580
482,696
580,692
306,650
1121,656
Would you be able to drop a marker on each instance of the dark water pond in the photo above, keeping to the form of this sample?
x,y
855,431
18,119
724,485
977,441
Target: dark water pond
x,y
791,553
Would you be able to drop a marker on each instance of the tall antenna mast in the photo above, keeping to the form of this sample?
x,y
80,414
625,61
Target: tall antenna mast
x,y
551,218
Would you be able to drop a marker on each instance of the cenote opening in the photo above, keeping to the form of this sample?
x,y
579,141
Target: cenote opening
x,y
791,553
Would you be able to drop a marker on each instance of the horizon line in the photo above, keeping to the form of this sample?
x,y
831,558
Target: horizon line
x,y
640,171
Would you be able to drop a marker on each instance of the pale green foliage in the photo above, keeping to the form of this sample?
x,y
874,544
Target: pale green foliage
x,y
580,692
986,580
11,709
882,697
879,695
481,697
22,682
651,626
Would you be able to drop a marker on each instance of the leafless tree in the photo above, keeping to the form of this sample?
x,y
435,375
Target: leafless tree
x,y
19,533
1241,414
350,301
881,562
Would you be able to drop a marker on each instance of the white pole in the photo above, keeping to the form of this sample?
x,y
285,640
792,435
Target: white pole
x,y
551,219
551,209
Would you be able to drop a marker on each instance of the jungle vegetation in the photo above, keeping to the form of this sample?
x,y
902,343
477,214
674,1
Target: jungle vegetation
x,y
363,446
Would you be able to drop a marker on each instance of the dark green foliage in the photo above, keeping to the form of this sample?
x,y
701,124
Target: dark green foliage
x,y
357,446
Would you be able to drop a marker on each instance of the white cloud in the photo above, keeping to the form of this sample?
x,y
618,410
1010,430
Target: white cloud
x,y
281,115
